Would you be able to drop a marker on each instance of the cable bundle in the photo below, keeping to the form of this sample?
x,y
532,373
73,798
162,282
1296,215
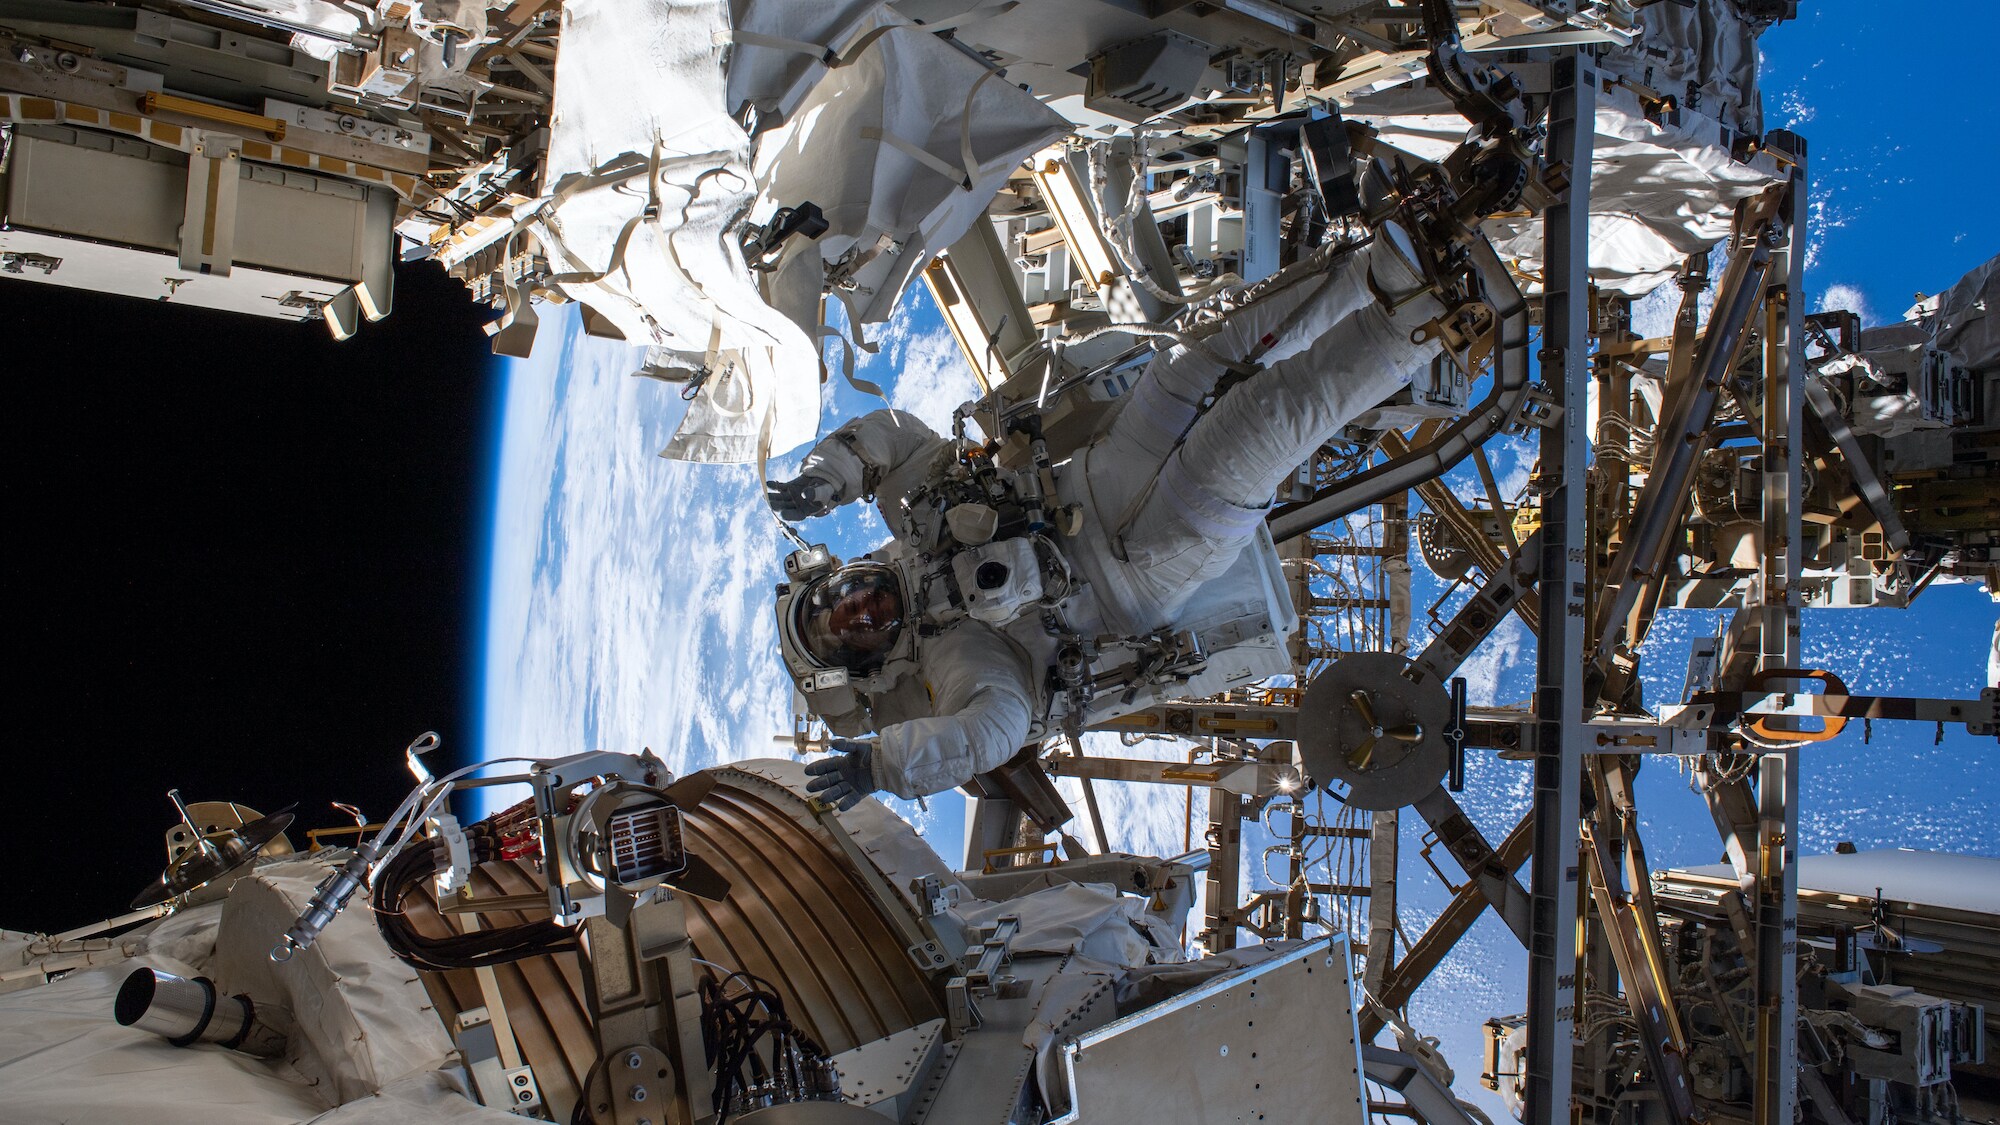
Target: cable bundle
x,y
732,1029
415,866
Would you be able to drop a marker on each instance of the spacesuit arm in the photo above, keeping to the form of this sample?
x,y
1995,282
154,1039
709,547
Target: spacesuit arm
x,y
983,703
857,456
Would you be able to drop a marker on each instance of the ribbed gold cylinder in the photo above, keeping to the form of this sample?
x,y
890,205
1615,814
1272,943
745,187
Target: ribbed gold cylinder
x,y
797,915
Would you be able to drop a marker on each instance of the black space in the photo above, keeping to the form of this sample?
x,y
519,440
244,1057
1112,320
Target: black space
x,y
243,560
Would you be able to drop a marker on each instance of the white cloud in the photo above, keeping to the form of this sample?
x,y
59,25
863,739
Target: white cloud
x,y
1506,650
1847,298
1653,315
1823,214
1795,109
1513,460
896,333
631,596
934,378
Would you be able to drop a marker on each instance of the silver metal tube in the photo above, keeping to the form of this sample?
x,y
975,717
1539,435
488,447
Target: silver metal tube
x,y
181,1011
357,39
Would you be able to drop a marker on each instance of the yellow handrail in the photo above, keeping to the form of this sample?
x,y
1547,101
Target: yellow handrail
x,y
153,102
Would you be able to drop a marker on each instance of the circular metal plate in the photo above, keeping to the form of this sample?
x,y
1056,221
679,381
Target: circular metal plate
x,y
1443,552
631,1085
1338,743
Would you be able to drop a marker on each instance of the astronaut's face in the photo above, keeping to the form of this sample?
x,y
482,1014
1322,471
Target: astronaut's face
x,y
853,616
865,619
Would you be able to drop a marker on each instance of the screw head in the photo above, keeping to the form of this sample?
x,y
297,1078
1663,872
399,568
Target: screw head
x,y
638,1094
633,1061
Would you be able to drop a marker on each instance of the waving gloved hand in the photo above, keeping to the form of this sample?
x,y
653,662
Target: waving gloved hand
x,y
800,497
846,775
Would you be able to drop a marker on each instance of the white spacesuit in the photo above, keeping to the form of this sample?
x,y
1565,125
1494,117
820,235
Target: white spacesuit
x,y
1163,500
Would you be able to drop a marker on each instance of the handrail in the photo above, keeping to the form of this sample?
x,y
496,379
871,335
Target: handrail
x,y
153,102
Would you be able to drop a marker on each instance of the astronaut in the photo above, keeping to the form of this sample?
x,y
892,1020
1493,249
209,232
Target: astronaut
x,y
1164,499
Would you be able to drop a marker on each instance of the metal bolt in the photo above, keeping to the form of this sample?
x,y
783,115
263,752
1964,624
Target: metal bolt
x,y
520,1080
1225,1050
633,1060
638,1093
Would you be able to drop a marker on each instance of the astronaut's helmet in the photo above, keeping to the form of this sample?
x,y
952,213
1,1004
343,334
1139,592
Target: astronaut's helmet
x,y
851,618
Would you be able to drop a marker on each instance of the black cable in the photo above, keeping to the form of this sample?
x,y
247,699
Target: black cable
x,y
733,1030
478,949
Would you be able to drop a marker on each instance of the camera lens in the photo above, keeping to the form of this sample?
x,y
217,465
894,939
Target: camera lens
x,y
991,575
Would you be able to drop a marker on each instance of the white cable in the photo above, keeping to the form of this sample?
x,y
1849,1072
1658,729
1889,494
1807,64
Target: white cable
x,y
419,794
410,830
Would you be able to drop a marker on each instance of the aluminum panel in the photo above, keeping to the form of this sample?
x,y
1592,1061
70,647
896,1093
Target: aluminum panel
x,y
89,185
154,276
1276,1042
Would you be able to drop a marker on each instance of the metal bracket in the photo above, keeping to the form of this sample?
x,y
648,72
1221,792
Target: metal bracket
x,y
931,896
981,962
1539,410
497,1086
929,956
629,1083
208,221
527,1095
1430,842
19,263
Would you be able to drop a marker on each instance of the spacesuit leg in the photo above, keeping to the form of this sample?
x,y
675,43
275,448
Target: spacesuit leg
x,y
1214,490
1260,432
1163,402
